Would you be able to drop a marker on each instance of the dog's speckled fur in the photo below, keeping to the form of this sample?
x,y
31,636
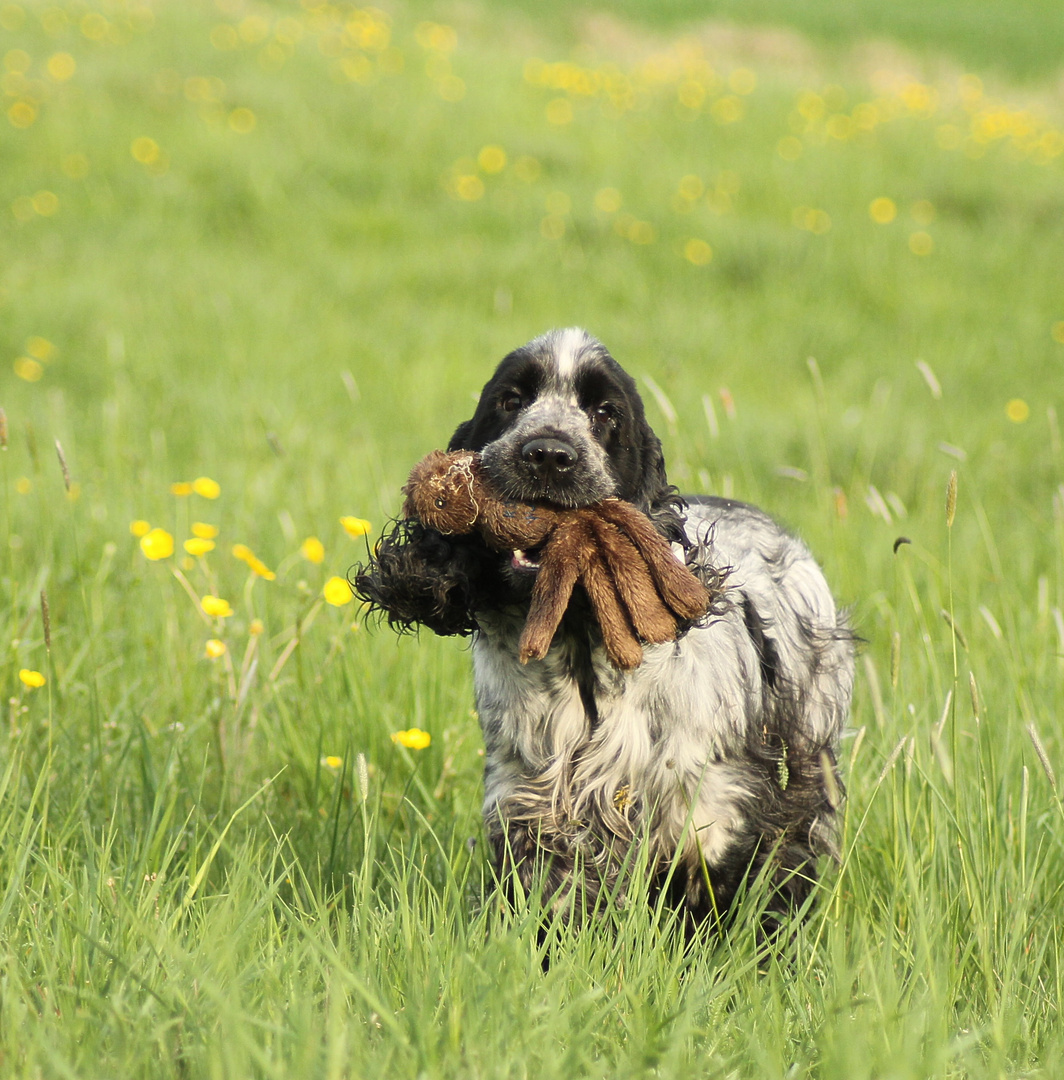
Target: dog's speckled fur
x,y
718,751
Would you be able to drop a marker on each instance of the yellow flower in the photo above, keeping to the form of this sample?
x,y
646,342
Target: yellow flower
x,y
62,66
697,252
260,568
139,528
144,150
23,485
28,369
255,564
608,200
215,648
205,486
337,592
882,210
32,679
181,489
355,526
204,531
313,550
256,627
332,761
198,546
492,159
1017,410
414,739
22,114
216,607
40,349
157,544
921,244
242,121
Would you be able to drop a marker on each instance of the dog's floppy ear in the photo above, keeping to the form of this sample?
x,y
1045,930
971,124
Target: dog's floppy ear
x,y
653,479
460,438
655,496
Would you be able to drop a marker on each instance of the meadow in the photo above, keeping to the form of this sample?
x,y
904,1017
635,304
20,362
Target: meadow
x,y
255,260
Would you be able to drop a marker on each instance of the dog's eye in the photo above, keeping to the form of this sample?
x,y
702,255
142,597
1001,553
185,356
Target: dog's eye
x,y
441,502
510,402
604,413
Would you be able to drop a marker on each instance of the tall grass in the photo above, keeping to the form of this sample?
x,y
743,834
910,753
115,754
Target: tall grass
x,y
215,867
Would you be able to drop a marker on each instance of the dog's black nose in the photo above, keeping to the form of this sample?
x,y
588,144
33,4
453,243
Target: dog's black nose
x,y
548,456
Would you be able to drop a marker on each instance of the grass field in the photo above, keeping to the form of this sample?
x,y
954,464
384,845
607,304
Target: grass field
x,y
276,250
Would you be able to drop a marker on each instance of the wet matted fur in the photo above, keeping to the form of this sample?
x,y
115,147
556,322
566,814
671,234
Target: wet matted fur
x,y
715,756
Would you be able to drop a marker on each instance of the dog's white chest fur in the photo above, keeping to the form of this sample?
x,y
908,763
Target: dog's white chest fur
x,y
669,736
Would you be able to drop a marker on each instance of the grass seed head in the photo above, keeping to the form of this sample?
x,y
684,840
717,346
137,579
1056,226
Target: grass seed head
x,y
46,621
63,464
977,704
1043,757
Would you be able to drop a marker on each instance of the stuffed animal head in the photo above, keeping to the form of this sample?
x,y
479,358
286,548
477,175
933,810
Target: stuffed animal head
x,y
441,492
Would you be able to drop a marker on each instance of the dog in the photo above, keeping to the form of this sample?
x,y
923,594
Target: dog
x,y
712,763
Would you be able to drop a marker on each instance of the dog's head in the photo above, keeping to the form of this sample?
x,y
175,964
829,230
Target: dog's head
x,y
561,422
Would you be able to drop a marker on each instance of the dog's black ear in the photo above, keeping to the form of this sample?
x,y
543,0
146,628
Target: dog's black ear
x,y
655,496
641,471
653,479
460,439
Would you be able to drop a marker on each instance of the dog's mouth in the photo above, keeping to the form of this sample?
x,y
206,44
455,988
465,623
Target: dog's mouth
x,y
527,561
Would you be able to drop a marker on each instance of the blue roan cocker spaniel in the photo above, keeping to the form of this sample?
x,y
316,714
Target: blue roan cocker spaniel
x,y
714,760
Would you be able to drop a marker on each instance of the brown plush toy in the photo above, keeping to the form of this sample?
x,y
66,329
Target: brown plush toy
x,y
637,587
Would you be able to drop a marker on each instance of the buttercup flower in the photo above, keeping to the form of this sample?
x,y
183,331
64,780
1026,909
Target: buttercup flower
x,y
337,592
246,555
313,550
181,489
28,369
216,607
33,680
332,761
205,486
41,349
256,627
413,739
197,546
204,531
355,527
215,648
697,252
882,210
139,528
157,544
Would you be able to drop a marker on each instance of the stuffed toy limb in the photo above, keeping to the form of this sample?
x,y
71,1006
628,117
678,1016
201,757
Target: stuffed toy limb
x,y
636,586
679,589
